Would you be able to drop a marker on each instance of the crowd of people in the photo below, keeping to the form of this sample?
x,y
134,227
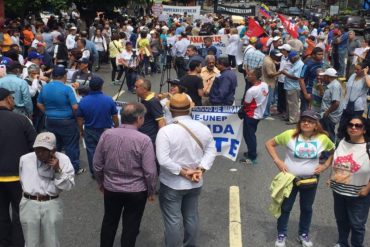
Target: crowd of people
x,y
317,82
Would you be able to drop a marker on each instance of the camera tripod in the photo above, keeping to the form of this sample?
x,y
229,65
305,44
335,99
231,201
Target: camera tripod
x,y
137,70
166,72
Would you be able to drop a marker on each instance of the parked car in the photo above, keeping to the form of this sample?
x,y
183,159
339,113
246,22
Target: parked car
x,y
356,23
294,11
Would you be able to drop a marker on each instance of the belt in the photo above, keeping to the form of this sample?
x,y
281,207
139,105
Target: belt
x,y
40,198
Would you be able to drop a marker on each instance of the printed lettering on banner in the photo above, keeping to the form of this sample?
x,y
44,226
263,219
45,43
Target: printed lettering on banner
x,y
190,10
219,41
225,125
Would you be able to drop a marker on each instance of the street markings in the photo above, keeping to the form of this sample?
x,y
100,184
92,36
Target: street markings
x,y
233,170
235,231
118,94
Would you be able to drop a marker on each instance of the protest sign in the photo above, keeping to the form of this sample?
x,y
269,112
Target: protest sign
x,y
233,10
219,41
180,10
225,125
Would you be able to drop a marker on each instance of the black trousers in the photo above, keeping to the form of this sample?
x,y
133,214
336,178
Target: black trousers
x,y
133,205
180,67
10,228
281,104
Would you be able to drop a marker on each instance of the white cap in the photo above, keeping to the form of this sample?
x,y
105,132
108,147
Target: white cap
x,y
46,140
165,28
276,38
286,47
73,28
330,72
280,26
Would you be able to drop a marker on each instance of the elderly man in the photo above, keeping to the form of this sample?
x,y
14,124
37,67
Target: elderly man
x,y
41,209
59,104
127,175
98,112
183,161
71,38
330,104
12,82
208,75
16,139
291,86
224,86
154,119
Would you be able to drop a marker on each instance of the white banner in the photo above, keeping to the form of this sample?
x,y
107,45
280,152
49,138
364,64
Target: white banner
x,y
180,10
219,41
225,125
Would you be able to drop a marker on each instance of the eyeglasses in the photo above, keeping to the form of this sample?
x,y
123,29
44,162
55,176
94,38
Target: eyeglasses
x,y
356,125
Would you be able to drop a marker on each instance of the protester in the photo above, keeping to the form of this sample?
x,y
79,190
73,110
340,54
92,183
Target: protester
x,y
41,209
269,75
291,86
193,83
101,46
129,60
154,119
60,52
330,105
96,113
350,182
354,101
285,64
59,104
208,74
304,146
183,161
232,47
224,85
115,48
126,174
353,44
193,55
12,82
71,38
308,77
180,48
16,139
255,102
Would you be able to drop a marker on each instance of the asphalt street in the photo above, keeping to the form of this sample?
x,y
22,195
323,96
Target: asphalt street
x,y
83,206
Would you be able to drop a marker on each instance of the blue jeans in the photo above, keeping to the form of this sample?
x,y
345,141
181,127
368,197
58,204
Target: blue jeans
x,y
304,103
351,214
131,76
306,199
179,207
270,99
342,65
91,137
249,134
67,134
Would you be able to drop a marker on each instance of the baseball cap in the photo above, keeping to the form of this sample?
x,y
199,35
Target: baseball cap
x,y
286,47
276,53
311,114
6,60
34,55
292,54
4,93
96,82
330,72
276,38
83,60
59,70
73,28
46,140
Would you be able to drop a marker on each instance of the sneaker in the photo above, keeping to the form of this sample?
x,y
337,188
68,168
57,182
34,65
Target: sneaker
x,y
280,241
304,240
80,171
337,245
269,118
248,161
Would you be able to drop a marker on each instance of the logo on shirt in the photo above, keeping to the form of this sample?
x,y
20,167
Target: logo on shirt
x,y
305,150
343,169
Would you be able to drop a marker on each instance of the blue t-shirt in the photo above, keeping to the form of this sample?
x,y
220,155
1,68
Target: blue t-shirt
x,y
309,73
343,44
97,110
58,100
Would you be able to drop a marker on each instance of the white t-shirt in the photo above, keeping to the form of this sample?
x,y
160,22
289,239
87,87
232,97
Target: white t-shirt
x,y
255,100
351,168
302,154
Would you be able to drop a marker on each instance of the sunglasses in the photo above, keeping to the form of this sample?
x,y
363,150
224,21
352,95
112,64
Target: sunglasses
x,y
356,125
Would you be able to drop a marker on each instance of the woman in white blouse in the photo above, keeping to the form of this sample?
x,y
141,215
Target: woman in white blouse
x,y
101,46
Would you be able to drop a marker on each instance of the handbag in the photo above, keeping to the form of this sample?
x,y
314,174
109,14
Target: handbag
x,y
350,108
306,182
241,112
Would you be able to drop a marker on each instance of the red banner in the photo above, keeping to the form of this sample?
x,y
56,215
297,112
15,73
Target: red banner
x,y
291,28
254,29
